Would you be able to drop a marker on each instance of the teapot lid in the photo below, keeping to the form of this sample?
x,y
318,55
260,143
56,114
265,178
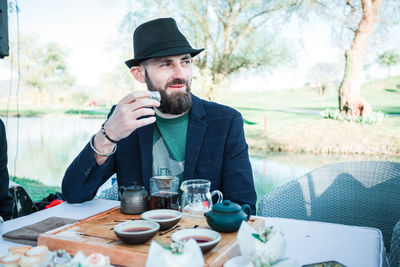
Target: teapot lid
x,y
226,206
135,188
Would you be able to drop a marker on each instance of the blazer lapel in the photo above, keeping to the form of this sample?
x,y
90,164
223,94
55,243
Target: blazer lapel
x,y
146,152
195,135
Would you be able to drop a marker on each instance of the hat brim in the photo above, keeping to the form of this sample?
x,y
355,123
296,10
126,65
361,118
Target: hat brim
x,y
164,53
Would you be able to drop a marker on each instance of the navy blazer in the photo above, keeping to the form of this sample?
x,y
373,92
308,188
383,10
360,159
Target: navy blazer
x,y
216,150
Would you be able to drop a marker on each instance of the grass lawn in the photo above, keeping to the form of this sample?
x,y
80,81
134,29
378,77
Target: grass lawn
x,y
35,189
279,128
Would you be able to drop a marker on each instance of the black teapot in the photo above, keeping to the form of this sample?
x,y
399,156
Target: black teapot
x,y
227,216
133,199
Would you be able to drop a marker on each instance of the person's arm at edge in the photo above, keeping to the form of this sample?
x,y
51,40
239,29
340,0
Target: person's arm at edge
x,y
6,201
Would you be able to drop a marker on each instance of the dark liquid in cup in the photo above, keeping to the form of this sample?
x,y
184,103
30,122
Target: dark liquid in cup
x,y
199,239
164,200
161,217
137,229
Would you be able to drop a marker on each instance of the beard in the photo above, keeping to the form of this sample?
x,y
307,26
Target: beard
x,y
175,103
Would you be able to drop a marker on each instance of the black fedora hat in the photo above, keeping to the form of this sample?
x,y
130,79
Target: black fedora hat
x,y
159,38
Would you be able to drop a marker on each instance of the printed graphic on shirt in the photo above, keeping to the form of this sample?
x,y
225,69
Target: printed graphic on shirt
x,y
163,164
169,143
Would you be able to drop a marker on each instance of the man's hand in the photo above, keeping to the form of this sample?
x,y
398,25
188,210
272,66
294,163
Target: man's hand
x,y
124,120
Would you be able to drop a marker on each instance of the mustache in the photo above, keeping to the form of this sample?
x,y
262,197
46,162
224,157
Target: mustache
x,y
177,81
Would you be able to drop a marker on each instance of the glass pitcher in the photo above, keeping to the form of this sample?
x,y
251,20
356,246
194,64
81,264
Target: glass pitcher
x,y
196,197
164,192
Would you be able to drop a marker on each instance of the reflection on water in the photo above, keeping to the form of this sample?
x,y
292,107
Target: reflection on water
x,y
48,145
269,172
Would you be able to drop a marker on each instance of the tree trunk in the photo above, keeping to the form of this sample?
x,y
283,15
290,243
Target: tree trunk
x,y
350,100
215,90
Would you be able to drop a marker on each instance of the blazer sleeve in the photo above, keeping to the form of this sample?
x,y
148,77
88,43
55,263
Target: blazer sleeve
x,y
238,184
84,176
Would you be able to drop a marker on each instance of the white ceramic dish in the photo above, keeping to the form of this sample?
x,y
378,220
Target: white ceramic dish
x,y
207,239
165,217
238,261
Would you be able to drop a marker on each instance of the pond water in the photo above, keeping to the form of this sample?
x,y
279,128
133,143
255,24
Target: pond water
x,y
47,145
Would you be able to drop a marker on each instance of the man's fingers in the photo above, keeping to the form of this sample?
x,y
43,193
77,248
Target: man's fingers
x,y
134,96
142,112
145,121
142,103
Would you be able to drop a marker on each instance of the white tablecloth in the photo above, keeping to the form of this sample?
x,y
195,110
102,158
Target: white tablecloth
x,y
308,242
312,242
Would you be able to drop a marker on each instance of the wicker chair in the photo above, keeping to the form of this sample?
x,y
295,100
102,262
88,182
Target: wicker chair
x,y
362,193
394,256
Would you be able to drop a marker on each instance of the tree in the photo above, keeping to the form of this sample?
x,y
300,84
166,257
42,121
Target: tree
x,y
388,59
43,67
235,34
116,84
350,100
353,23
322,74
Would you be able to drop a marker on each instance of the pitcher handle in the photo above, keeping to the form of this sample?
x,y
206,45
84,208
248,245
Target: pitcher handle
x,y
246,209
121,190
220,196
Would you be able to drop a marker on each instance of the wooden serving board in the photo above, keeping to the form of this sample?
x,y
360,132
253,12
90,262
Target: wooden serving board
x,y
95,235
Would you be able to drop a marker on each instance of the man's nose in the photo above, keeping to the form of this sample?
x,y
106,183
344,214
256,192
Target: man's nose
x,y
178,72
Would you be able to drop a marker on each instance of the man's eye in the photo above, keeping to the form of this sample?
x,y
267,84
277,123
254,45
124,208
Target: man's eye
x,y
187,62
165,65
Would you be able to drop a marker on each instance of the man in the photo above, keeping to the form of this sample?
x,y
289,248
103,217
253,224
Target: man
x,y
6,200
181,136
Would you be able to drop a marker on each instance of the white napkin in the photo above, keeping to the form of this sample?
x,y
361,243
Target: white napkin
x,y
266,250
190,255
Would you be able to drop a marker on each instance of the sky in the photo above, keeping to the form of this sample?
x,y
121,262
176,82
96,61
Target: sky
x,y
85,29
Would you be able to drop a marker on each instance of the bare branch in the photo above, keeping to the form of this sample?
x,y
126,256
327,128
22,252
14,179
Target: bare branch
x,y
216,10
204,26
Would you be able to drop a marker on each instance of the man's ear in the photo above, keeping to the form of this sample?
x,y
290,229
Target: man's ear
x,y
139,73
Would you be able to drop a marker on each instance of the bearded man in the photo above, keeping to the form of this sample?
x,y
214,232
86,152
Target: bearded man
x,y
182,135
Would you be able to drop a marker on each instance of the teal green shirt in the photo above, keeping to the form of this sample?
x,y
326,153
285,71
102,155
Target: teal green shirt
x,y
169,144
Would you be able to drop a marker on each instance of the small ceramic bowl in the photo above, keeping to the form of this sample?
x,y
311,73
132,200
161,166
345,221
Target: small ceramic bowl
x,y
136,232
165,217
207,239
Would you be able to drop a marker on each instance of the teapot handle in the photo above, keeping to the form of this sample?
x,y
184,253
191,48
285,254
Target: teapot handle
x,y
247,210
121,191
220,196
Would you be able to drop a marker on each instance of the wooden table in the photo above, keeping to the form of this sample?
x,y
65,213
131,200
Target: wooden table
x,y
95,234
306,241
